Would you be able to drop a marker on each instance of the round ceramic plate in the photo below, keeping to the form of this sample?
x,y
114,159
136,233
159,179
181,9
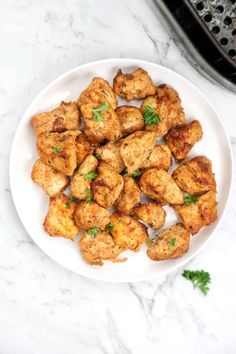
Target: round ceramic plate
x,y
32,204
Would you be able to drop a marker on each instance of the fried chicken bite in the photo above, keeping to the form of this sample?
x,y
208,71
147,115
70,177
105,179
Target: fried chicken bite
x,y
81,181
167,105
170,243
136,85
127,232
98,248
60,218
83,147
107,187
131,119
58,150
195,176
196,215
160,158
129,196
160,186
152,214
97,104
65,117
182,138
90,215
109,156
136,148
50,180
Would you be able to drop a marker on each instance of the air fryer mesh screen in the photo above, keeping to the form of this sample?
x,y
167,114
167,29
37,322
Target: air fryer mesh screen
x,y
219,18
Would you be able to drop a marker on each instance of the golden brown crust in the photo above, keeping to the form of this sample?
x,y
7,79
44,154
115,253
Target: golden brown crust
x,y
167,105
202,213
151,213
107,187
127,232
50,180
60,218
110,157
160,158
182,138
170,243
65,117
160,186
136,148
195,176
58,150
100,247
83,147
129,196
80,186
131,119
90,215
136,85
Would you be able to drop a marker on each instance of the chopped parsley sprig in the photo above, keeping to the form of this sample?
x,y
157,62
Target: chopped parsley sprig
x,y
150,116
90,176
56,149
70,200
109,227
190,199
90,196
93,231
98,114
171,243
199,278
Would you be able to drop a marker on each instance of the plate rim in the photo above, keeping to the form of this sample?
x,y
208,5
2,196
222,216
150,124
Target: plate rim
x,y
140,62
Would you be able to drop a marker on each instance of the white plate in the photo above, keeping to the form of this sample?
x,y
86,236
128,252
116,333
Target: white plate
x,y
31,203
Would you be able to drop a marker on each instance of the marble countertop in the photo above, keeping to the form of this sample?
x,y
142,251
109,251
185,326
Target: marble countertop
x,y
47,309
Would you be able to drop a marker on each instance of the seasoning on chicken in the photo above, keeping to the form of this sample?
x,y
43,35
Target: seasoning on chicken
x,y
160,158
132,86
60,218
152,214
89,215
129,196
110,157
131,119
195,176
83,147
170,243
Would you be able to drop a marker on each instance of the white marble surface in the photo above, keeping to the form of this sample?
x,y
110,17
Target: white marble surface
x,y
47,309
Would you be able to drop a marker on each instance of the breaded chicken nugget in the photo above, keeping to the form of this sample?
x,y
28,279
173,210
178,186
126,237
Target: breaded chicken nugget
x,y
131,119
50,180
167,106
98,248
58,150
136,85
199,214
97,104
107,187
136,148
151,213
160,158
83,147
60,218
127,232
81,182
170,243
65,117
110,157
90,215
160,186
182,138
129,196
195,176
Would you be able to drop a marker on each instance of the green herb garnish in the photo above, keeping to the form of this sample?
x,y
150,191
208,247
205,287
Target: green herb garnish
x,y
171,243
199,278
190,199
90,196
93,231
56,149
97,112
134,174
150,116
71,199
98,157
90,176
109,227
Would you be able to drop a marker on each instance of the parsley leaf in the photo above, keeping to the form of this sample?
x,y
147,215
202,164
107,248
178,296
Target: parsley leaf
x,y
90,176
150,116
93,231
97,112
134,174
199,278
109,227
56,149
171,243
190,199
90,196
71,199
98,157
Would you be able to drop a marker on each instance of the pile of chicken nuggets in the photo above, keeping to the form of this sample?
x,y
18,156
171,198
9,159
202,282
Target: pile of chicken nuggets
x,y
121,154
